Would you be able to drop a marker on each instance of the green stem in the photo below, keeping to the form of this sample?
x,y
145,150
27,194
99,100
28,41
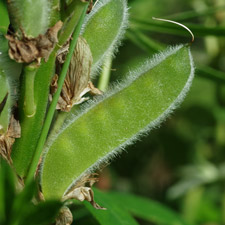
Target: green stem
x,y
105,75
69,23
29,103
52,107
72,7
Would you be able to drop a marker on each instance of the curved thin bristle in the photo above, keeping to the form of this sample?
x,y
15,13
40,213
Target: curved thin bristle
x,y
180,24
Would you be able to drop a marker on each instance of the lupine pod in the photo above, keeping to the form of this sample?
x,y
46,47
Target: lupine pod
x,y
31,16
105,126
54,12
104,28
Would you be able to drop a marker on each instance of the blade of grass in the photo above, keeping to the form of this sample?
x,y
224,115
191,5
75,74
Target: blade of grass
x,y
116,213
211,74
198,30
193,14
52,107
147,209
144,42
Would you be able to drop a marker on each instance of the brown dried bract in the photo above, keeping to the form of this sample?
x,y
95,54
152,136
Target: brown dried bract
x,y
81,194
29,49
77,82
7,140
65,217
82,190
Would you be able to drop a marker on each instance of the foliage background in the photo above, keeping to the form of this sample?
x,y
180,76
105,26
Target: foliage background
x,y
181,164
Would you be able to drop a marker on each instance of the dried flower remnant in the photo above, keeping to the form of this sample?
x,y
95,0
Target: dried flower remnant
x,y
29,49
77,82
65,217
7,139
82,191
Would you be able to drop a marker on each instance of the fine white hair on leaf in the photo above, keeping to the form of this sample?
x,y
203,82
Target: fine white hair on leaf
x,y
113,48
133,75
154,124
116,87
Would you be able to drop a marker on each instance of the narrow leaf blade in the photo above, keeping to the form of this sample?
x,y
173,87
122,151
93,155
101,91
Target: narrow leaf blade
x,y
147,209
114,213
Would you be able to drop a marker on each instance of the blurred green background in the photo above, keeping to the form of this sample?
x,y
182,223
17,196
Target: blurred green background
x,y
182,163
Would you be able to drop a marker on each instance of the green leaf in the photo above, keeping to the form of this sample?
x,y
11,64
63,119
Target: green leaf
x,y
115,213
211,74
144,42
42,214
104,29
4,22
4,103
147,209
107,125
181,16
22,203
18,208
7,191
9,79
30,15
198,29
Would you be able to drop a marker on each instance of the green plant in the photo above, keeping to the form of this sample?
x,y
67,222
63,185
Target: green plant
x,y
64,147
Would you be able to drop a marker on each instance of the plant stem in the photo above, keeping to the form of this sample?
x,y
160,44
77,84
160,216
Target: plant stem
x,y
29,103
52,107
69,23
105,75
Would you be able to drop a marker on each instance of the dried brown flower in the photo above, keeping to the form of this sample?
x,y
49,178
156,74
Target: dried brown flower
x,y
7,139
65,217
82,190
77,82
29,49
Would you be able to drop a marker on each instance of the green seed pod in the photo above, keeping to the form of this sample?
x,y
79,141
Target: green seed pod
x,y
29,15
104,127
104,28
